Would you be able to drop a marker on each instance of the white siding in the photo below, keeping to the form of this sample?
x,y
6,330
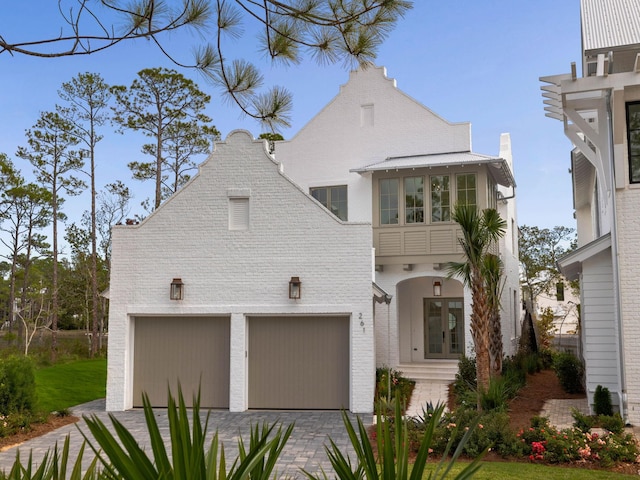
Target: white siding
x,y
599,331
629,253
367,122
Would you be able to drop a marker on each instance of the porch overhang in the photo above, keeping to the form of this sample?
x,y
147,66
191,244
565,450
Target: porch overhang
x,y
380,295
498,167
571,264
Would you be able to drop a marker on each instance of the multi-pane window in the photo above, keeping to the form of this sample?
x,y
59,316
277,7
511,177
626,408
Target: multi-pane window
x,y
389,201
633,140
560,292
333,198
414,199
467,192
440,198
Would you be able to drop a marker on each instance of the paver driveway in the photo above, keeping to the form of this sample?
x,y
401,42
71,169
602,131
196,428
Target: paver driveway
x,y
305,448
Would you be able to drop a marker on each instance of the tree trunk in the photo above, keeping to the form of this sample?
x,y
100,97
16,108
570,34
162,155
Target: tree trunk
x,y
54,280
94,263
158,166
480,331
496,345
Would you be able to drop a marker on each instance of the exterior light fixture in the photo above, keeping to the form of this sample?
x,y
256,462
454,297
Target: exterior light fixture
x,y
295,288
437,288
176,292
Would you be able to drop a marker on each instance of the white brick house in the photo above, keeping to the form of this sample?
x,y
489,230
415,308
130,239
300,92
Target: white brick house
x,y
235,236
388,170
600,111
375,154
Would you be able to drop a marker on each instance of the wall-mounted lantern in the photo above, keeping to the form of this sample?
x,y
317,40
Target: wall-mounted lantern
x,y
176,291
437,288
295,288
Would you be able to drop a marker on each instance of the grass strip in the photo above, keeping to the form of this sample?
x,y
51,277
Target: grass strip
x,y
63,386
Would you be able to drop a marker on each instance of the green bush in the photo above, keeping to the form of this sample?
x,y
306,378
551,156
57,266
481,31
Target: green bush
x,y
612,423
602,401
492,430
582,422
570,371
544,443
466,377
17,385
400,386
497,395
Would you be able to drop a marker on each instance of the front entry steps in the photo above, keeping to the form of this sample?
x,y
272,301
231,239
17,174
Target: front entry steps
x,y
432,383
431,371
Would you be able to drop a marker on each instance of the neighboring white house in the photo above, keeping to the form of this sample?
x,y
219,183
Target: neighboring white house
x,y
374,291
375,154
600,111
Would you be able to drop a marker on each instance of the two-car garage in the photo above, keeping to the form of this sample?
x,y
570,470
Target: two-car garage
x,y
293,362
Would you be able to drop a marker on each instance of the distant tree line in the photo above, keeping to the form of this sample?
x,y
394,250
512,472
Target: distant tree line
x,y
43,288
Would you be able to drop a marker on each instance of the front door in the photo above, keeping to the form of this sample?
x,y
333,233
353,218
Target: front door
x,y
443,328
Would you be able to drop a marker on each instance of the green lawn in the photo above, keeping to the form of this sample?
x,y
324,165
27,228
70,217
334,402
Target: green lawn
x,y
66,385
518,471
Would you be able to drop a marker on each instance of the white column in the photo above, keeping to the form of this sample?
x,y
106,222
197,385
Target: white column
x,y
238,363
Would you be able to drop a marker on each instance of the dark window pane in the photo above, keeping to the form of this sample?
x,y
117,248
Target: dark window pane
x,y
633,141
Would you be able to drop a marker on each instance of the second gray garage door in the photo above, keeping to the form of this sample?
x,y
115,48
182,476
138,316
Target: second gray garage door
x,y
193,350
299,362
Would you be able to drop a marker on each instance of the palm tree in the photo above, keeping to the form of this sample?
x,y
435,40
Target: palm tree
x,y
492,271
480,233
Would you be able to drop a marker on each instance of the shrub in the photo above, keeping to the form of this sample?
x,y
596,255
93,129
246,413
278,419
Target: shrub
x,y
602,401
612,423
401,387
489,430
569,370
546,328
499,392
492,432
466,377
545,358
17,385
542,442
582,422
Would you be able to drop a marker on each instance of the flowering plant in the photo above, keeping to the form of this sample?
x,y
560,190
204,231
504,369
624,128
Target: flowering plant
x,y
544,443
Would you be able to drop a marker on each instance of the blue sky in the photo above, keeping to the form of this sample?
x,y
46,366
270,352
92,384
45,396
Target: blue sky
x,y
467,60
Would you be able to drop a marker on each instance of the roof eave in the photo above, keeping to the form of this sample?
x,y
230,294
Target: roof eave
x,y
501,171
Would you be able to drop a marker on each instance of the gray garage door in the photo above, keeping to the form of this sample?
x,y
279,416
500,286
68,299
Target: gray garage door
x,y
299,362
194,350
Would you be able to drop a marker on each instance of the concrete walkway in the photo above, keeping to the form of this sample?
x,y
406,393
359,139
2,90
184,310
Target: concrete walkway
x,y
425,392
559,411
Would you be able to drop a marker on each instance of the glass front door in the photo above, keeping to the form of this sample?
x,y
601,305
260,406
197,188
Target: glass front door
x,y
443,328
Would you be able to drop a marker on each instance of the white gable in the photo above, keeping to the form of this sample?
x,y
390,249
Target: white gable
x,y
369,121
235,235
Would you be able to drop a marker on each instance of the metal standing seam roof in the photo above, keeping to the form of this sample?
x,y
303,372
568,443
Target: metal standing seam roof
x,y
498,166
610,23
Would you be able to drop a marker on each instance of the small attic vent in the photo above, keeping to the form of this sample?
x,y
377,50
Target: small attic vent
x,y
239,213
366,115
